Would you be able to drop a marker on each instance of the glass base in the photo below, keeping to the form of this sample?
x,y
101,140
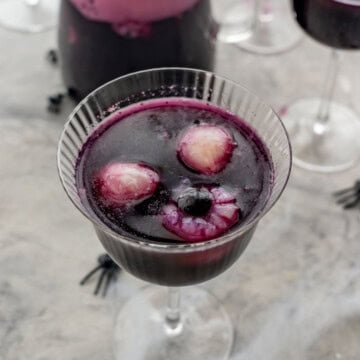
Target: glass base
x,y
339,340
141,334
20,15
273,32
335,147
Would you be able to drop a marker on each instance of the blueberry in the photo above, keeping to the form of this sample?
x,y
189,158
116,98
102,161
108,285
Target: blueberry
x,y
195,202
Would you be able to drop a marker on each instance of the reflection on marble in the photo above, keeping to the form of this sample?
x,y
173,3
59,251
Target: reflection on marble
x,y
294,294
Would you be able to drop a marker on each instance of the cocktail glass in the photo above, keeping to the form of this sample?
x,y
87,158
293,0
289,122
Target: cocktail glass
x,y
157,324
28,15
263,27
323,132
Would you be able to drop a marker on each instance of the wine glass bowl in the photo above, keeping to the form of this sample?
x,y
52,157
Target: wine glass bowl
x,y
334,23
173,264
179,263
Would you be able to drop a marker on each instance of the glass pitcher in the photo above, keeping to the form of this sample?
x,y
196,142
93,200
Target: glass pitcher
x,y
100,40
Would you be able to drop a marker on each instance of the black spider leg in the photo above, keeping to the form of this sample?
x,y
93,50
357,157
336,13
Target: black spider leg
x,y
354,189
350,197
111,275
100,281
90,274
53,56
344,191
353,203
346,198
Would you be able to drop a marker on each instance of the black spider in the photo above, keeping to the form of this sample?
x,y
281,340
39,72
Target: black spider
x,y
350,197
55,102
52,56
109,271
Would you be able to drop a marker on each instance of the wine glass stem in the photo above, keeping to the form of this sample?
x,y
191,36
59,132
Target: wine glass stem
x,y
31,3
173,321
323,115
262,12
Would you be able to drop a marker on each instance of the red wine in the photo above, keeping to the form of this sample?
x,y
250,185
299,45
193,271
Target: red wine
x,y
154,146
335,23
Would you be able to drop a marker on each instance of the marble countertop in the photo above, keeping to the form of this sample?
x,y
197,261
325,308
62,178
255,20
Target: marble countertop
x,y
294,294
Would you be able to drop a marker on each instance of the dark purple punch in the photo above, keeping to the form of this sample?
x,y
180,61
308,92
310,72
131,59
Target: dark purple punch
x,y
174,204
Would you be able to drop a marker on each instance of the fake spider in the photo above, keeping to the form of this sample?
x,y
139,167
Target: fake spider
x,y
108,272
349,198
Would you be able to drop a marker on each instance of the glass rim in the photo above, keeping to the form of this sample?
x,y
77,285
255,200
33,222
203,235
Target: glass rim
x,y
186,246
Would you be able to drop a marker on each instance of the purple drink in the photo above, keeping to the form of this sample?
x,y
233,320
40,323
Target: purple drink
x,y
208,195
100,41
335,23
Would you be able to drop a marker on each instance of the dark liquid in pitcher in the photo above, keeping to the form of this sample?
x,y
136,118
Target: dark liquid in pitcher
x,y
95,52
335,23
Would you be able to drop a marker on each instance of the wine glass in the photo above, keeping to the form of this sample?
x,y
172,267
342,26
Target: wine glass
x,y
259,26
28,15
324,133
156,324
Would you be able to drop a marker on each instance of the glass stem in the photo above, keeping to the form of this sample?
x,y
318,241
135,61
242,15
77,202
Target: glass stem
x,y
173,323
32,3
323,115
262,12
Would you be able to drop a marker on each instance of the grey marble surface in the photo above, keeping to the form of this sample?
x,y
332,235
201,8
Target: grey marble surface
x,y
294,294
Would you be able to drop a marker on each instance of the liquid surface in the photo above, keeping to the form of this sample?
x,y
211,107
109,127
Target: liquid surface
x,y
149,134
